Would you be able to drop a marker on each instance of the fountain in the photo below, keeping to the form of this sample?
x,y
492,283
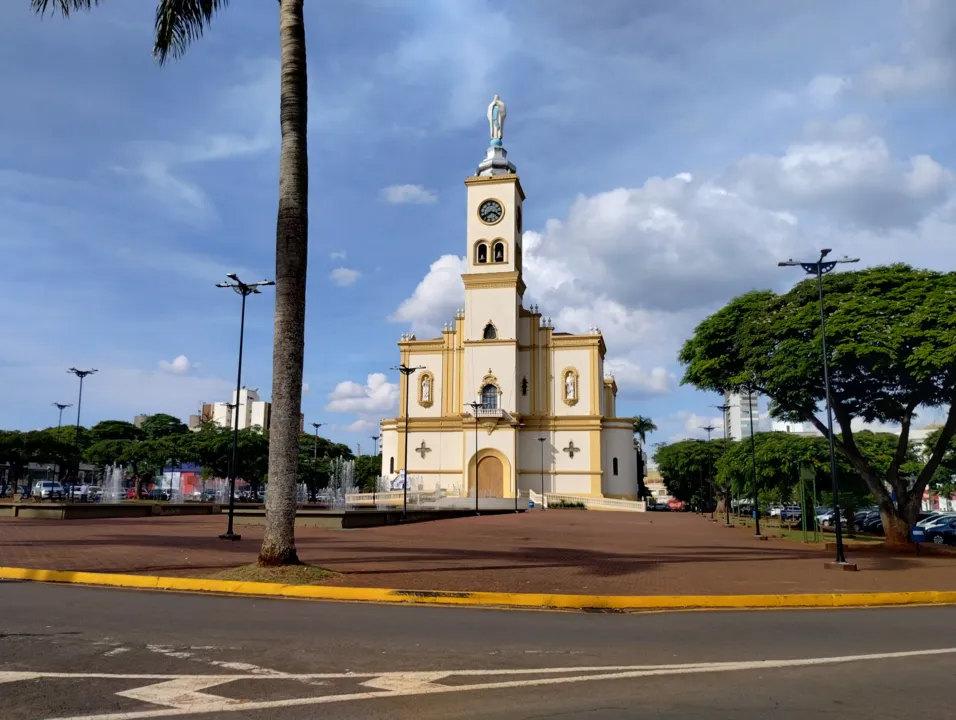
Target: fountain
x,y
341,483
114,483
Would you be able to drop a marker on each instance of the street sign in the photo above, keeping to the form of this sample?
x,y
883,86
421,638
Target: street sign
x,y
531,504
917,534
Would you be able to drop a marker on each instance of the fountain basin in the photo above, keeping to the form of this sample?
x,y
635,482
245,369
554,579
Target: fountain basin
x,y
358,519
100,511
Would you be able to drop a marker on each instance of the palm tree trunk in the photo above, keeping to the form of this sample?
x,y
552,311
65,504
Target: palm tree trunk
x,y
292,234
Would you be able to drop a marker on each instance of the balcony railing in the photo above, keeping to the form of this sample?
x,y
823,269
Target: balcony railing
x,y
485,412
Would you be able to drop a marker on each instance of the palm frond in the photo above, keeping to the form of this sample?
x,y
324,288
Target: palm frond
x,y
65,7
180,22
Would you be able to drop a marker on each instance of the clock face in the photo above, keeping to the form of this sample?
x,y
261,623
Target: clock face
x,y
490,211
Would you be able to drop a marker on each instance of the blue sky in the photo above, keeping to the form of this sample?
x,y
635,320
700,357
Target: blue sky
x,y
672,152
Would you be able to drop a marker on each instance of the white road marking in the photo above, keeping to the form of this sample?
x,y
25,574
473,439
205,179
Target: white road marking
x,y
422,683
115,651
181,693
6,677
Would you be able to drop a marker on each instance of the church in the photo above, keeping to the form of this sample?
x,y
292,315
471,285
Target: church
x,y
502,401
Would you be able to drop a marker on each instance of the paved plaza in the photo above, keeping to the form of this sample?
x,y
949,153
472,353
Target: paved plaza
x,y
560,551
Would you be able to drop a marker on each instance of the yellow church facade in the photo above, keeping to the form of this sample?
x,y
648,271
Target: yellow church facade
x,y
502,397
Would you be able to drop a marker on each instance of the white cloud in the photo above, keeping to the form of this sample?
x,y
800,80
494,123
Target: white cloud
x,y
180,365
408,195
852,181
343,277
337,255
631,378
436,297
363,424
305,388
376,395
893,80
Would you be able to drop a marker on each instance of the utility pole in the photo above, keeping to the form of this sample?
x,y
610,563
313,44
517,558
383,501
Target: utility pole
x,y
475,407
245,290
819,268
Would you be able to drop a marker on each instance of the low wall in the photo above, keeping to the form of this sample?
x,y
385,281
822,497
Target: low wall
x,y
101,511
356,519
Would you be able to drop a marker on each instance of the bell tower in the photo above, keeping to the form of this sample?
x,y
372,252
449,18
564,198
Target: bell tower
x,y
493,281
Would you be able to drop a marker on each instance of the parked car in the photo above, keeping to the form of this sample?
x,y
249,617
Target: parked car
x,y
158,494
943,533
208,495
776,510
791,512
48,490
934,517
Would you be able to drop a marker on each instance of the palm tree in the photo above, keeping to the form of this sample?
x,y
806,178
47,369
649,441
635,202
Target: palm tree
x,y
179,23
642,426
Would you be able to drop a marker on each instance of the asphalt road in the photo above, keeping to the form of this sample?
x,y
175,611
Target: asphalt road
x,y
74,652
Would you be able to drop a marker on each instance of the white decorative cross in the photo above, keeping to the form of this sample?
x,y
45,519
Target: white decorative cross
x,y
422,450
570,449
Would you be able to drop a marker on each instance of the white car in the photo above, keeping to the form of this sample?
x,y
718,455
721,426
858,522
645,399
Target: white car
x,y
931,522
48,489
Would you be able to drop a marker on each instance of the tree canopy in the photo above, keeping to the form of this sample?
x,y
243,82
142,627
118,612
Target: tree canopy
x,y
162,425
688,468
891,336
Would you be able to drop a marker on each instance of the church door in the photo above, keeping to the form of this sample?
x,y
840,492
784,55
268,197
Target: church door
x,y
491,481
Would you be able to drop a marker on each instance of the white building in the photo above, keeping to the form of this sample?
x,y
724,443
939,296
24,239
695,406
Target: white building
x,y
253,412
744,412
544,411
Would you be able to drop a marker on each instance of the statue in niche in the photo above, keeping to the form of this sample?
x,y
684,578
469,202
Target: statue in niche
x,y
569,386
426,389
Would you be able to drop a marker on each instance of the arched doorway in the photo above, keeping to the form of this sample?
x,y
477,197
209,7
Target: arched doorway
x,y
494,474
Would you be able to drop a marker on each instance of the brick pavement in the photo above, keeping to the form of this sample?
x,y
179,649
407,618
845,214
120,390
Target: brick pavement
x,y
561,551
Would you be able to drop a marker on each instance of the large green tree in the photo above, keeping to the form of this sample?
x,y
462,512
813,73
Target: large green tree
x,y
178,23
688,468
162,425
891,335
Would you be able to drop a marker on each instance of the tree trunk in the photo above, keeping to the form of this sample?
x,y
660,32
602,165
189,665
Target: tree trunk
x,y
898,521
292,235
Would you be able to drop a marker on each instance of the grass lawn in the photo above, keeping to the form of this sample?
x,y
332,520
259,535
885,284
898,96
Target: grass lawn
x,y
288,575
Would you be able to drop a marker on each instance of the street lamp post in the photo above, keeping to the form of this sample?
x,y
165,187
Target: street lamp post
x,y
541,442
820,268
374,454
753,459
407,372
315,457
61,407
475,407
710,470
245,290
81,374
723,415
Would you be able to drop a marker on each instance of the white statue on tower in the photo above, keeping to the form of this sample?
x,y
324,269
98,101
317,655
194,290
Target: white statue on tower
x,y
569,386
497,112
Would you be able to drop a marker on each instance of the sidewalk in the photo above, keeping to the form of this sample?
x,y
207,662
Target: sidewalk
x,y
559,551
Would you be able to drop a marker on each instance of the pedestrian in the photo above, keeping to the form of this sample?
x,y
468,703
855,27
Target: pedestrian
x,y
84,491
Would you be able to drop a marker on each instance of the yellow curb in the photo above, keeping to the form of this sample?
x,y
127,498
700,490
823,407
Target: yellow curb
x,y
499,599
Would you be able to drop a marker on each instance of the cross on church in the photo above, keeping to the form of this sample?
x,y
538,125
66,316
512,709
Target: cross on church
x,y
422,450
570,449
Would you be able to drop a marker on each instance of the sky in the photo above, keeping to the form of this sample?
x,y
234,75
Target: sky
x,y
672,152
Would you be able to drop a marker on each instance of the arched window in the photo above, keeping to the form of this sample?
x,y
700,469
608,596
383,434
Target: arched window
x,y
489,397
499,253
490,333
614,465
391,465
482,254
